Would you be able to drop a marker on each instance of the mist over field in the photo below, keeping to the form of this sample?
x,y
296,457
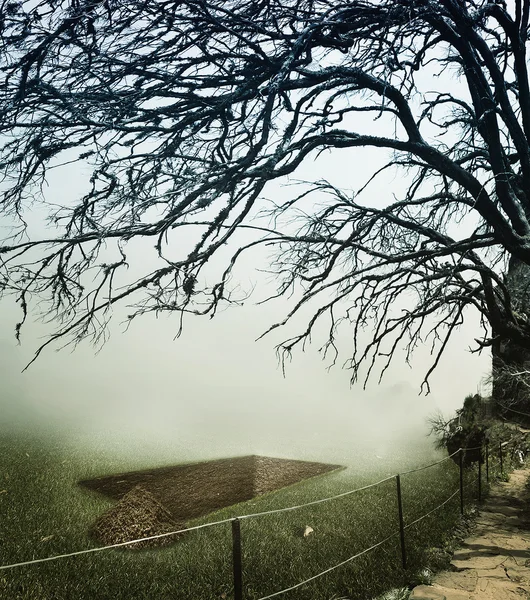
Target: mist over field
x,y
216,391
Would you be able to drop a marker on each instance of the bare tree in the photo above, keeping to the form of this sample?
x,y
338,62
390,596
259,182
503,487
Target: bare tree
x,y
184,111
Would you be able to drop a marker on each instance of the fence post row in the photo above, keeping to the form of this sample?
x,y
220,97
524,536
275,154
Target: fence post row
x,y
236,559
401,523
236,524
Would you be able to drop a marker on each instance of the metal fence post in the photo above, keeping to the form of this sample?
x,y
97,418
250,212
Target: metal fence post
x,y
461,464
401,523
487,461
500,455
479,481
236,558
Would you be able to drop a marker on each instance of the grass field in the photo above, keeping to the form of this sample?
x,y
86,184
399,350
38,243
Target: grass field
x,y
44,512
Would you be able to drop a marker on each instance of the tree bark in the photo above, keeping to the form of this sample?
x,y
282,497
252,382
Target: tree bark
x,y
510,361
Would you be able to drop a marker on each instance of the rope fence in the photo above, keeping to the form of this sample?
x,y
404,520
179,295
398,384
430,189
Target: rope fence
x,y
236,521
433,510
229,520
403,527
294,587
109,547
313,502
434,463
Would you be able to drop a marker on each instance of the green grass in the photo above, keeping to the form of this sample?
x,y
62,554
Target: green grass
x,y
42,499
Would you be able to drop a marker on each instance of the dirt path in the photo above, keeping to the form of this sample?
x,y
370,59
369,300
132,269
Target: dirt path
x,y
493,564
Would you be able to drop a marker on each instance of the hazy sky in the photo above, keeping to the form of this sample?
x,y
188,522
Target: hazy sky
x,y
215,389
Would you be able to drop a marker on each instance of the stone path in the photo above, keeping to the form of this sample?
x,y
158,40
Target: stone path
x,y
493,564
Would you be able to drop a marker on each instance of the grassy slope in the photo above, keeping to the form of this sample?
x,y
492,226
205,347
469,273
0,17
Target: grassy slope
x,y
42,500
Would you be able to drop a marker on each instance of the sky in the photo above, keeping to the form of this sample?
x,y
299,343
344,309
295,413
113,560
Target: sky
x,y
216,390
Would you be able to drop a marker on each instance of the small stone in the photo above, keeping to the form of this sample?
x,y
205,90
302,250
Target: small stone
x,y
308,531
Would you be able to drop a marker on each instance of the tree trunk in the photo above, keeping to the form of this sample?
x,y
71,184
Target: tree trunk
x,y
510,388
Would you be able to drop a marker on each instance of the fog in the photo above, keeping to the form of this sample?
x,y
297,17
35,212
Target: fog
x,y
216,391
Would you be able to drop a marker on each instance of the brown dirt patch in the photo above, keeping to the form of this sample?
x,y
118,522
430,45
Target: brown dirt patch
x,y
193,490
137,515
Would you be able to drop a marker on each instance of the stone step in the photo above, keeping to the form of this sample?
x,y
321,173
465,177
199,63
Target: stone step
x,y
429,592
494,563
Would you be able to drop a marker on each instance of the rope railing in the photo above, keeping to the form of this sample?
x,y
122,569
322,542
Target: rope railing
x,y
235,521
240,517
306,581
343,494
393,535
110,546
469,483
433,510
432,464
319,501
